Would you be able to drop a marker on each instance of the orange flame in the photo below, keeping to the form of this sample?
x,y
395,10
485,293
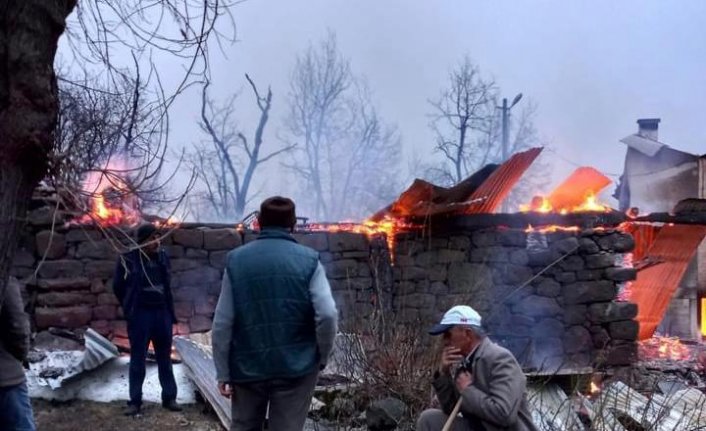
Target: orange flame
x,y
171,221
542,204
388,226
552,228
659,347
594,388
99,184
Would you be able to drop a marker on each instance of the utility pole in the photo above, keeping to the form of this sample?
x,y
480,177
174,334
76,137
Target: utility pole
x,y
506,134
505,110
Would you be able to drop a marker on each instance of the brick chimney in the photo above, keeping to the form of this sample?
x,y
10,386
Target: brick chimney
x,y
648,128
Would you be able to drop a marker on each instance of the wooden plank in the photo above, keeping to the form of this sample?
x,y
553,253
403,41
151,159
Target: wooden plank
x,y
202,371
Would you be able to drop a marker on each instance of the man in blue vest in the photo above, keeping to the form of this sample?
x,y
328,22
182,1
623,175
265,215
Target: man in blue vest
x,y
274,325
142,285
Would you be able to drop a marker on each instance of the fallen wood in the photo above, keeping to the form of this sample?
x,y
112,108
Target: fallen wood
x,y
202,371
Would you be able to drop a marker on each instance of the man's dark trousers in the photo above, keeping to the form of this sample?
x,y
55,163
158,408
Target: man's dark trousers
x,y
145,325
289,401
15,410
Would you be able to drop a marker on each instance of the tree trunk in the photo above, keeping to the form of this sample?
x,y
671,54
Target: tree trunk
x,y
29,33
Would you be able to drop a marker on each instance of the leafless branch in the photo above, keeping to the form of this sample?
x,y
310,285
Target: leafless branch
x,y
236,159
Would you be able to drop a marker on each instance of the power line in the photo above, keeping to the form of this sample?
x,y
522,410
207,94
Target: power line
x,y
610,174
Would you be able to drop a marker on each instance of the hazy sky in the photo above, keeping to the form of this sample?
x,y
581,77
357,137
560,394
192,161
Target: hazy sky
x,y
592,67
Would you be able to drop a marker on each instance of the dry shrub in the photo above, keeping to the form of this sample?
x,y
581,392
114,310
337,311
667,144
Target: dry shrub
x,y
392,361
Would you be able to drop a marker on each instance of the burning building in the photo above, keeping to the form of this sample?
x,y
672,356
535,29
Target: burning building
x,y
658,179
565,283
547,279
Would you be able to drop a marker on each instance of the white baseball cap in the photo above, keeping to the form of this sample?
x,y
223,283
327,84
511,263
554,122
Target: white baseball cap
x,y
457,315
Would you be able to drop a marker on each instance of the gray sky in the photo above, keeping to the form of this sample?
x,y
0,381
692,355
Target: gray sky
x,y
592,67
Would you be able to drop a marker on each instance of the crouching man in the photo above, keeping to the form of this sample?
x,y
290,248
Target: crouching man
x,y
485,376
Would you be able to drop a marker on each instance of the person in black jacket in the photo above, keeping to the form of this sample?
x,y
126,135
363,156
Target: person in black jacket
x,y
142,285
15,408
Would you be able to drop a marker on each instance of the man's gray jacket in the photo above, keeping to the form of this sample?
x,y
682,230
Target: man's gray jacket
x,y
497,395
14,335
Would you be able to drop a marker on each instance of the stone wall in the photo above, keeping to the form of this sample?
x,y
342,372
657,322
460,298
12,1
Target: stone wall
x,y
68,274
564,317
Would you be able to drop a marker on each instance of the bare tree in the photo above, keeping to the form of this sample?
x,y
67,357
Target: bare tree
x,y
109,136
347,156
464,122
468,130
28,89
227,164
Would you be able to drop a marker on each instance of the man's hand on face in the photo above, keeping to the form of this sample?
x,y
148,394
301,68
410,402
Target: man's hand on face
x,y
449,356
225,389
463,380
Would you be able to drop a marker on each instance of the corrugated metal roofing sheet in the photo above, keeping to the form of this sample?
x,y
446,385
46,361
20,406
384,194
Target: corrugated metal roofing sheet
x,y
573,190
496,188
674,247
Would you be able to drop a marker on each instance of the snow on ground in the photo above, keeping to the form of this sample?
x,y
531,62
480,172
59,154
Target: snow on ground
x,y
109,382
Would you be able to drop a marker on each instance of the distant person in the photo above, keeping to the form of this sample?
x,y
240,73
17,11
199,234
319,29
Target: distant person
x,y
274,325
487,377
15,408
142,285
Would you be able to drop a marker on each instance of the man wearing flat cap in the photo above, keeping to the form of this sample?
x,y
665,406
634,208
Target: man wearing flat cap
x,y
486,377
142,285
274,325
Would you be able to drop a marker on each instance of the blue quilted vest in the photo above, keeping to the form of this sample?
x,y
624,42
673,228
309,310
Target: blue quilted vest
x,y
274,332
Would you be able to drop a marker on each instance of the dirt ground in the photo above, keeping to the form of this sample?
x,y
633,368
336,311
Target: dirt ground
x,y
89,416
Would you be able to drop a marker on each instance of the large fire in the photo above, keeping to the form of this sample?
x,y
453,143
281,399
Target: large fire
x,y
543,204
111,200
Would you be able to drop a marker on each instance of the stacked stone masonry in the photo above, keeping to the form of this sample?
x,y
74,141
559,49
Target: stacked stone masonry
x,y
566,316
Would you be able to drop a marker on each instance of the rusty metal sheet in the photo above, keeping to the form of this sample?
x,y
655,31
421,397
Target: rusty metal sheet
x,y
572,192
674,246
644,235
496,188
